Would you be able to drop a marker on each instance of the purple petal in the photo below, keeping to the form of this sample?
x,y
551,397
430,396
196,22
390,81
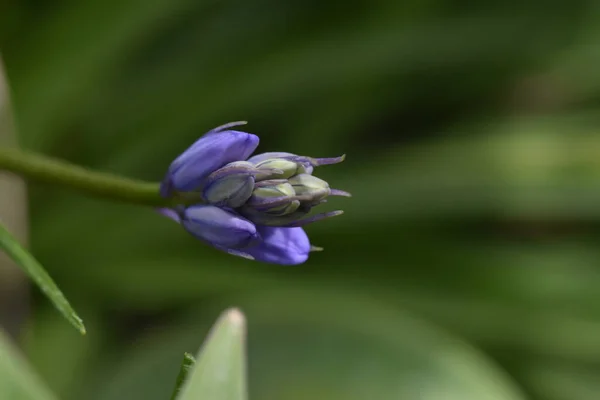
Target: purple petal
x,y
314,218
207,154
315,162
169,213
226,126
284,246
338,192
234,252
327,160
219,227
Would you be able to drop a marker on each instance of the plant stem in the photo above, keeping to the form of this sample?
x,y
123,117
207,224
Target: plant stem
x,y
186,365
45,169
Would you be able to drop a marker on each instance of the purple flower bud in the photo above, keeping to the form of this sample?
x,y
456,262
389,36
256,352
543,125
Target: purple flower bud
x,y
209,153
284,246
221,228
255,206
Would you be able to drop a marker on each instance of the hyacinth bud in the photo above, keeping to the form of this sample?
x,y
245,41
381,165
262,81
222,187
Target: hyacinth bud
x,y
274,188
274,197
311,189
248,206
289,168
209,153
230,186
218,227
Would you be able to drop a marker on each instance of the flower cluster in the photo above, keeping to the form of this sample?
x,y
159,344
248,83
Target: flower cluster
x,y
252,207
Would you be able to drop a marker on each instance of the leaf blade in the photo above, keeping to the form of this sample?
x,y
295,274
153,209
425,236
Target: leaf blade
x,y
220,370
17,381
39,275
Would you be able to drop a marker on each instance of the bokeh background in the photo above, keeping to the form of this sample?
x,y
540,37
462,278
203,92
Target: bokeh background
x,y
466,266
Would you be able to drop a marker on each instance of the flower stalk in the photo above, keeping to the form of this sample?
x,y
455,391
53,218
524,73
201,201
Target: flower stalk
x,y
39,168
252,207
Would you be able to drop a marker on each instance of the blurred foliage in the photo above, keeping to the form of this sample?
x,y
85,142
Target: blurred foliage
x,y
17,381
472,134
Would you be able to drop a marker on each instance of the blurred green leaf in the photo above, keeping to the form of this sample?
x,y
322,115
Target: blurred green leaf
x,y
50,339
220,369
560,381
67,65
324,344
41,278
17,381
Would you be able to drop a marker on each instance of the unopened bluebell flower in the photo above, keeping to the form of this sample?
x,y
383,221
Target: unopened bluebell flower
x,y
252,207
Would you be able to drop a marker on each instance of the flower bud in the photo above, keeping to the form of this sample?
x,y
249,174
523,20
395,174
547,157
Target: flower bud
x,y
288,168
274,197
274,188
311,189
219,227
252,207
230,186
209,153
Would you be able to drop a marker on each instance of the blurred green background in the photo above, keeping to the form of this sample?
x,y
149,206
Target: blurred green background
x,y
467,264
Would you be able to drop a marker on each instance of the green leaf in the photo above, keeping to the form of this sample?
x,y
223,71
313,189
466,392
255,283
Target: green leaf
x,y
187,365
220,372
41,278
320,342
17,381
48,339
551,380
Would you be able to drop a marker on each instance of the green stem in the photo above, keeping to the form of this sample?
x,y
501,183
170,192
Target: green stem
x,y
186,365
45,169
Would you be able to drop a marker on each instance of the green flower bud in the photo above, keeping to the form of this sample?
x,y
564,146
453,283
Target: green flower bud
x,y
287,167
310,188
273,197
273,189
231,185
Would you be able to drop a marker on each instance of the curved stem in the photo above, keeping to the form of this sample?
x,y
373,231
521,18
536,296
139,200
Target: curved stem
x,y
45,169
